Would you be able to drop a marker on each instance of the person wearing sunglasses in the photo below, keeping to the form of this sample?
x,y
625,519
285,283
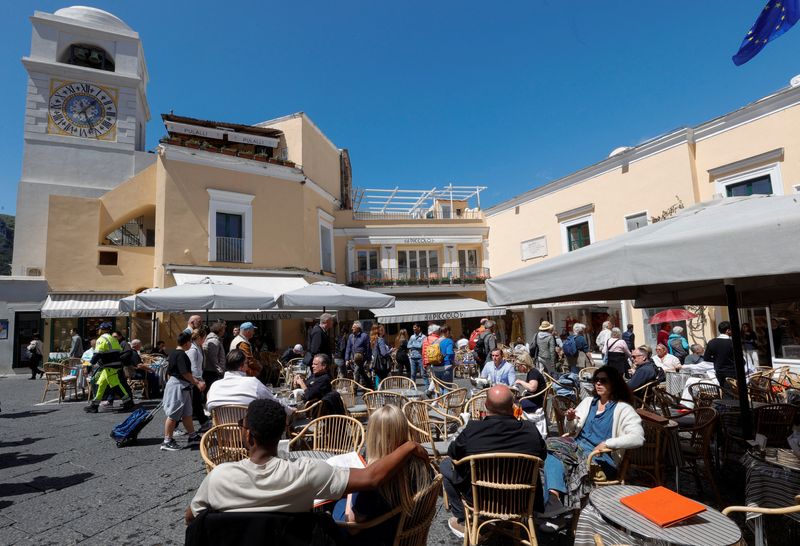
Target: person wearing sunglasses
x,y
605,420
644,368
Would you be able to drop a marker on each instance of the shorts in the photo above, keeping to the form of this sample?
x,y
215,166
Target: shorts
x,y
177,399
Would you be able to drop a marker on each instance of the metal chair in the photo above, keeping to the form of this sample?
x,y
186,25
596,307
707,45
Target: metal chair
x,y
228,415
222,444
397,382
503,491
332,433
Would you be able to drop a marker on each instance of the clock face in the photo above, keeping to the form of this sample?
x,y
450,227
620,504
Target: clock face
x,y
83,110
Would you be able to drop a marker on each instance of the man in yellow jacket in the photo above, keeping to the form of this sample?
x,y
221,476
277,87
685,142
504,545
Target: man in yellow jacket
x,y
107,352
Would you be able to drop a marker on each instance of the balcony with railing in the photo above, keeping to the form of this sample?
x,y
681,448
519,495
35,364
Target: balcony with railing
x,y
230,249
432,277
446,203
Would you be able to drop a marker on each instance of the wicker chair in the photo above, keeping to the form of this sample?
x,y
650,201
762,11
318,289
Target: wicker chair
x,y
585,374
397,382
413,526
347,390
758,523
300,418
667,405
649,458
556,384
222,444
332,433
441,387
696,446
419,415
451,402
775,421
57,376
228,415
703,394
503,491
643,396
377,399
560,405
476,406
597,477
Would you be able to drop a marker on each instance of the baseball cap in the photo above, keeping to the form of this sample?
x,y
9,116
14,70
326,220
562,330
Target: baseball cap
x,y
105,326
246,326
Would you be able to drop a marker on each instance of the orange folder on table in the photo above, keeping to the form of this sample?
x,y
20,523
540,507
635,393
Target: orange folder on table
x,y
663,506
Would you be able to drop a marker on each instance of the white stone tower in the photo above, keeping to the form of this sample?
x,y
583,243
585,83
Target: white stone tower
x,y
85,117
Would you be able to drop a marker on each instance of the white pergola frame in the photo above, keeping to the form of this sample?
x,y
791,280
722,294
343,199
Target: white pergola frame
x,y
414,203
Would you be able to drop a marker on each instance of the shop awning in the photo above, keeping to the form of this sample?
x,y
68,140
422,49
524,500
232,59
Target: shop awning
x,y
91,304
271,284
410,310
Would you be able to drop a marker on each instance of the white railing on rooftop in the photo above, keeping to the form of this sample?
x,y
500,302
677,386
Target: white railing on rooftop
x,y
448,202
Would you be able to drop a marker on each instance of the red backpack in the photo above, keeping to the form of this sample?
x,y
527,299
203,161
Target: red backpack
x,y
473,338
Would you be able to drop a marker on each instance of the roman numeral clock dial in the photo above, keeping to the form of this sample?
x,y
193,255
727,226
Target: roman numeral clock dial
x,y
83,110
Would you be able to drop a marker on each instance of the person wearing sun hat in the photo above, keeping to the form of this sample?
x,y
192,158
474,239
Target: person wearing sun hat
x,y
543,349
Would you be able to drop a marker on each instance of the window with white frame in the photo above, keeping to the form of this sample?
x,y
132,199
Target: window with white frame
x,y
230,227
762,181
577,233
326,241
635,221
417,264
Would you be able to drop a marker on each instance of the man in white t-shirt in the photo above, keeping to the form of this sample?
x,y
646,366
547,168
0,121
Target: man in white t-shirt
x,y
265,483
666,361
236,388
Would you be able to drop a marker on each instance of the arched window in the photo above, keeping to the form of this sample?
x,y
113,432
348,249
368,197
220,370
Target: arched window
x,y
89,56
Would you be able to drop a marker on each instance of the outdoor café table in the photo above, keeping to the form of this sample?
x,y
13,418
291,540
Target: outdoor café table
x,y
676,381
617,524
308,454
411,394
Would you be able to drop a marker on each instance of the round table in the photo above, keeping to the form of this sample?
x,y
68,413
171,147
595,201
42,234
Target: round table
x,y
709,528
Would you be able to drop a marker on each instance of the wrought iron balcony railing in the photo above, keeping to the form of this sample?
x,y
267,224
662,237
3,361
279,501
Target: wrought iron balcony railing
x,y
430,276
230,249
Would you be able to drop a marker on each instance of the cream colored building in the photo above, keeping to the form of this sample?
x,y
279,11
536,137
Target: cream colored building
x,y
754,149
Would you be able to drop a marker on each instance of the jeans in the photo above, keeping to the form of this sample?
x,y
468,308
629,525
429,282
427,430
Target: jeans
x,y
341,367
443,373
416,366
553,477
455,490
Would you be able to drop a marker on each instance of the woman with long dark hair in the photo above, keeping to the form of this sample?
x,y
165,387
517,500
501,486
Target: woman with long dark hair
x,y
605,420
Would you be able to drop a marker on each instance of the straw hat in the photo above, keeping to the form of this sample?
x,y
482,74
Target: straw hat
x,y
545,326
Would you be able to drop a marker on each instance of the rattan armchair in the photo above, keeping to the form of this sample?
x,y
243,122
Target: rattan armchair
x,y
666,404
377,399
347,389
412,526
222,444
586,374
696,446
421,422
397,382
227,415
643,396
503,491
649,458
775,421
758,530
703,394
476,406
560,405
300,418
557,384
332,433
57,376
597,477
441,387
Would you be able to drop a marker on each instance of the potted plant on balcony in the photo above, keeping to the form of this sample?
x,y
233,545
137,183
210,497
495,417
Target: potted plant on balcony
x,y
245,154
288,163
209,147
261,156
433,280
193,143
229,150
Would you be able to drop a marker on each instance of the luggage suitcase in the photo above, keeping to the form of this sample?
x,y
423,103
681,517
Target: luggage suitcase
x,y
127,431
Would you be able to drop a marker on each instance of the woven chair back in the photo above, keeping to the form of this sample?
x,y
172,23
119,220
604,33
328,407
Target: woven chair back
x,y
228,415
396,382
222,444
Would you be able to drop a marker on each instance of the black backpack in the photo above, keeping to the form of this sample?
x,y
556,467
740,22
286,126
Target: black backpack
x,y
381,364
676,348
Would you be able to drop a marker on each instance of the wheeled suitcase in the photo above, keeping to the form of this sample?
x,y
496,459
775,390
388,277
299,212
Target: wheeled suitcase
x,y
128,431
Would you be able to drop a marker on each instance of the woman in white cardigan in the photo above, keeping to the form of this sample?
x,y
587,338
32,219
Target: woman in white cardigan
x,y
605,420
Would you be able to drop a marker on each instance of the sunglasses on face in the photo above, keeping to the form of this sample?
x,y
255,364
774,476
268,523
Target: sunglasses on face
x,y
601,380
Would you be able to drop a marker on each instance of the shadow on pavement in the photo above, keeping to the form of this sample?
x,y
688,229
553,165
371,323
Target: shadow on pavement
x,y
43,483
17,443
21,414
14,458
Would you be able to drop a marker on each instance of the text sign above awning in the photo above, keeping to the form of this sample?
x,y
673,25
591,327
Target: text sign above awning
x,y
245,138
208,132
435,309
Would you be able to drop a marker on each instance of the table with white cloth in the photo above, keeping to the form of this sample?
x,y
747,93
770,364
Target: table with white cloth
x,y
606,516
687,398
676,381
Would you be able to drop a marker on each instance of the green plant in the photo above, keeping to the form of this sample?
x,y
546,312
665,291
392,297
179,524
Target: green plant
x,y
193,143
208,147
261,156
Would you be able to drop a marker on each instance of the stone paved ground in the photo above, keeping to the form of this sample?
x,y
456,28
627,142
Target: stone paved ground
x,y
63,480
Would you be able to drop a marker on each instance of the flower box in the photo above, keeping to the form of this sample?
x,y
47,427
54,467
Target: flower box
x,y
193,143
229,151
246,155
209,147
261,157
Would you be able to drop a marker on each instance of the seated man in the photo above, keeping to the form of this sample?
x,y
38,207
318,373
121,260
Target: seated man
x,y
694,363
265,483
499,431
666,361
498,371
236,387
645,369
319,384
291,353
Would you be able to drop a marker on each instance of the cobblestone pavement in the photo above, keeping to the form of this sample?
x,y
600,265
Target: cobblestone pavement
x,y
64,481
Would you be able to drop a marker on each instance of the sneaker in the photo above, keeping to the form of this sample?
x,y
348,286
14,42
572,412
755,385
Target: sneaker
x,y
91,408
456,528
204,427
193,438
179,432
170,445
108,403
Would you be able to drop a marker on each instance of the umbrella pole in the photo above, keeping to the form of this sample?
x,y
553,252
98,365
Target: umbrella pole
x,y
206,316
738,357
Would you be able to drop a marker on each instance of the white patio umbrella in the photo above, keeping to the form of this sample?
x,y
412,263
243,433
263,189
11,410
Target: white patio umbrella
x,y
731,251
205,294
331,296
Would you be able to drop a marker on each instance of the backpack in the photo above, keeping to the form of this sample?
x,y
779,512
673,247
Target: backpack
x,y
661,375
480,345
381,364
676,348
569,347
433,353
534,351
473,338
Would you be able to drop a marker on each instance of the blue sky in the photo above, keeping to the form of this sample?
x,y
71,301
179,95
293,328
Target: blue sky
x,y
508,94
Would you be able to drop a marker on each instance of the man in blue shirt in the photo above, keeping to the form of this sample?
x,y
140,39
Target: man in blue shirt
x,y
358,342
498,371
415,354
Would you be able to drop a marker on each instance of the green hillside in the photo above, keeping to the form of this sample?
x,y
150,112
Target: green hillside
x,y
6,243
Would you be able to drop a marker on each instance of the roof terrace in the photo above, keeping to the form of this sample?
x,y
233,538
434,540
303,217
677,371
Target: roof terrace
x,y
447,203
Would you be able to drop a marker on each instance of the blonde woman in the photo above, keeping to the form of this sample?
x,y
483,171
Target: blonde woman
x,y
388,429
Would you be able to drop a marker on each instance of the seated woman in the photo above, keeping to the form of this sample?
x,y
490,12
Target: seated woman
x,y
388,429
606,420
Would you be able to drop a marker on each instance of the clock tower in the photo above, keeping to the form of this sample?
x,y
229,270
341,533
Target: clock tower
x,y
85,117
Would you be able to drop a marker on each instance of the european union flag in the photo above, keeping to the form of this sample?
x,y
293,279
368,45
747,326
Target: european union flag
x,y
777,17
